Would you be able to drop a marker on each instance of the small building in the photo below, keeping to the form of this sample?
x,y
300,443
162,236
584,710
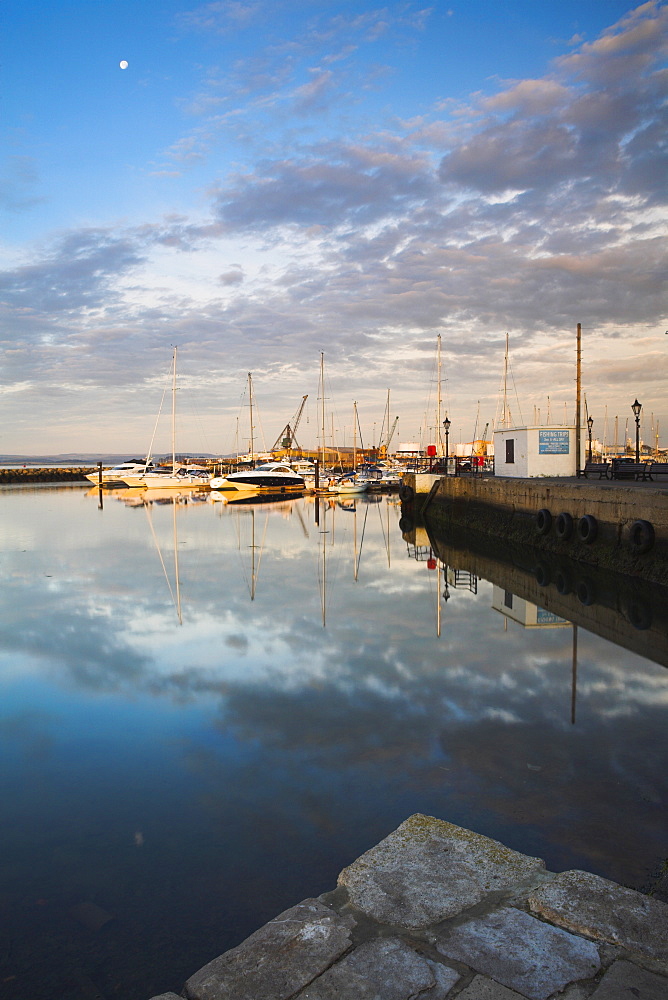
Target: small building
x,y
523,612
409,449
529,452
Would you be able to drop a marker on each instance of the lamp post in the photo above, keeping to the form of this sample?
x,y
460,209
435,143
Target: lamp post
x,y
637,407
446,426
590,424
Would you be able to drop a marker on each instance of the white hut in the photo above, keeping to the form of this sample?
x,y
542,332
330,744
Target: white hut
x,y
528,452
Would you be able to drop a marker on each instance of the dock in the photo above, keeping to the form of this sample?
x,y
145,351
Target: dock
x,y
438,912
622,526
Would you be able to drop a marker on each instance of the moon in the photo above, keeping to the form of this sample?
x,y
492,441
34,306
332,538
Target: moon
x,y
123,64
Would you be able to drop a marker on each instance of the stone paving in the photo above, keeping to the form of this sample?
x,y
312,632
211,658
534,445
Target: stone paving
x,y
436,911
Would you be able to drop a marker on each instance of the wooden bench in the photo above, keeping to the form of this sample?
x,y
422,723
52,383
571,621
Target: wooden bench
x,y
600,469
657,469
629,470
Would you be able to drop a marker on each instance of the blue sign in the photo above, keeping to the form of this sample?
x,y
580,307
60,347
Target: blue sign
x,y
553,442
548,618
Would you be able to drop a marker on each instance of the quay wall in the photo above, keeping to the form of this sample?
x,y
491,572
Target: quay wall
x,y
508,508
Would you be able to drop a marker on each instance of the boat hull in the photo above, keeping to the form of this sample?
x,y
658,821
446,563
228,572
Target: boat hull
x,y
261,482
168,482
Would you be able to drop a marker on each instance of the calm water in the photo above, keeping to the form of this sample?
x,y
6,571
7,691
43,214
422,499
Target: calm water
x,y
181,761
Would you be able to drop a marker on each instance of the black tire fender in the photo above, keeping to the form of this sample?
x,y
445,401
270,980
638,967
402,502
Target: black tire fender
x,y
542,574
563,526
406,492
562,581
586,592
587,529
543,521
639,614
641,537
406,525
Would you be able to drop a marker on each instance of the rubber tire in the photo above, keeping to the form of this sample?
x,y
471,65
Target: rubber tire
x,y
543,521
641,537
586,592
639,615
542,574
562,582
563,526
406,492
406,525
587,529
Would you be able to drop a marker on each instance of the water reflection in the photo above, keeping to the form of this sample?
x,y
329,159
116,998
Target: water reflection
x,y
192,775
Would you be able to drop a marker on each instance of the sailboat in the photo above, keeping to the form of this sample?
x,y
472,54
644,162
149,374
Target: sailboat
x,y
269,477
180,477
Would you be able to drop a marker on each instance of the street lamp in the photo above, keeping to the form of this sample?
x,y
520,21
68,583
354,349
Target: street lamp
x,y
446,425
590,424
637,407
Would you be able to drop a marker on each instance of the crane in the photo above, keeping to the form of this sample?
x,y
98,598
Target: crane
x,y
482,444
286,438
385,446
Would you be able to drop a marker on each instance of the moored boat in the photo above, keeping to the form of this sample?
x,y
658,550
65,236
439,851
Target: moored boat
x,y
347,484
115,476
274,477
179,476
186,477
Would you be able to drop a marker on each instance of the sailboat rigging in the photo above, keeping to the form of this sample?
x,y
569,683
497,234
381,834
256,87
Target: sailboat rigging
x,y
269,477
180,476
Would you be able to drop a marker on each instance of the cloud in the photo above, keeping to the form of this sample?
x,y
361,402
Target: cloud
x,y
234,276
222,16
76,274
339,185
624,51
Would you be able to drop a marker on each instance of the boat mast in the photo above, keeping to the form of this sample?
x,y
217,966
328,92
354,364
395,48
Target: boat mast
x,y
354,435
322,406
174,412
250,398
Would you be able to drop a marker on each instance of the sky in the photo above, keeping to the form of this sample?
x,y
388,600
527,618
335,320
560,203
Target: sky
x,y
301,186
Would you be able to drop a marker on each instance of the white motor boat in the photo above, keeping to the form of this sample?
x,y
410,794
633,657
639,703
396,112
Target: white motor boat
x,y
347,484
270,477
185,477
115,476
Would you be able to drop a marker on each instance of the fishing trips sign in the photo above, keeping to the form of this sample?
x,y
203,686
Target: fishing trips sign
x,y
552,441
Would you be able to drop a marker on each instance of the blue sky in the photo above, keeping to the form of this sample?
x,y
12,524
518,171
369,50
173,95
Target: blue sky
x,y
268,181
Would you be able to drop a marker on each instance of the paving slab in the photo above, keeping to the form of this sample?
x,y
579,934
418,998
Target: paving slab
x,y
625,981
591,905
382,969
521,952
482,988
428,870
278,959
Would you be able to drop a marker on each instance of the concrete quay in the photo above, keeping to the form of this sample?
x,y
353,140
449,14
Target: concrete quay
x,y
436,911
503,507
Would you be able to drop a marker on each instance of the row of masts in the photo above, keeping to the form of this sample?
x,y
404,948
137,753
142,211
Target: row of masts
x,y
505,420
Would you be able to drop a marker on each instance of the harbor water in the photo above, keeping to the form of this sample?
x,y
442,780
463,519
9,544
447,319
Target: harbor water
x,y
209,709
